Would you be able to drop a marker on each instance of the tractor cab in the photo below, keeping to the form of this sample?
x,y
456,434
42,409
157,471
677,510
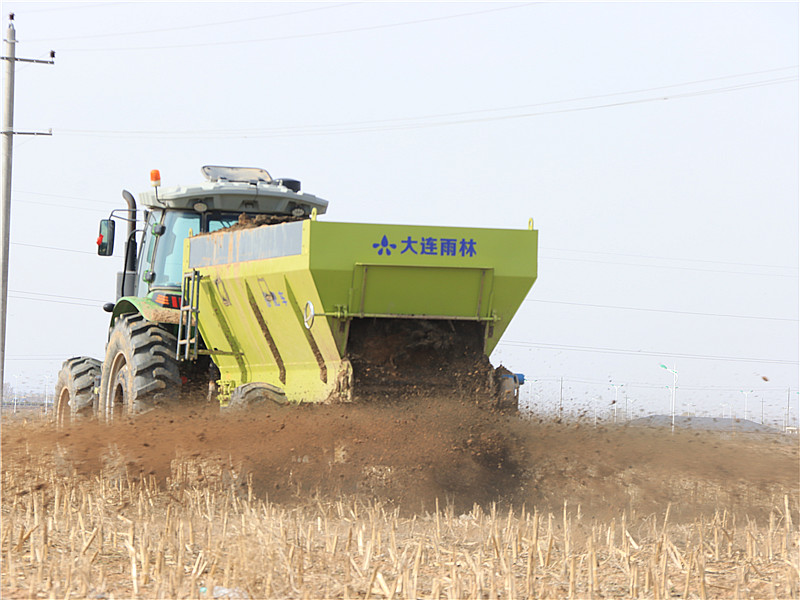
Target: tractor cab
x,y
153,264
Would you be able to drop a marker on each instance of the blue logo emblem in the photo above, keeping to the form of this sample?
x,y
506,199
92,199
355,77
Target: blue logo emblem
x,y
429,246
384,246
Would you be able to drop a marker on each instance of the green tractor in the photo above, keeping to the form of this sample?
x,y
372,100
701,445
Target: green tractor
x,y
234,291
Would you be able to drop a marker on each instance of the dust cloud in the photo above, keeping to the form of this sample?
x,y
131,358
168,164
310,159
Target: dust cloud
x,y
412,453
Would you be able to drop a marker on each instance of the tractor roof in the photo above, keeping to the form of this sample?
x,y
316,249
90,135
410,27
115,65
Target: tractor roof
x,y
237,189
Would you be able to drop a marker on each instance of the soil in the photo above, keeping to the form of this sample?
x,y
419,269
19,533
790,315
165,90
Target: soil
x,y
246,222
412,452
394,358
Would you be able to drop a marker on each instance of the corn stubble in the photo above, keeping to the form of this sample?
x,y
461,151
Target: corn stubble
x,y
118,534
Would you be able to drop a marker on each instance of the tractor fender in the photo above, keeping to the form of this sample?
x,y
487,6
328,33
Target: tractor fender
x,y
146,307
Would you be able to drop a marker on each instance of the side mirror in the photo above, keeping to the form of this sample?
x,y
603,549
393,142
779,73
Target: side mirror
x,y
105,241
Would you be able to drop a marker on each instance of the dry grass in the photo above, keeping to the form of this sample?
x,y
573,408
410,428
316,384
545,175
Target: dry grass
x,y
118,535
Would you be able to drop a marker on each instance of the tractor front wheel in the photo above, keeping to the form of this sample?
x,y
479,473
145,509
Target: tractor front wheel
x,y
140,370
75,389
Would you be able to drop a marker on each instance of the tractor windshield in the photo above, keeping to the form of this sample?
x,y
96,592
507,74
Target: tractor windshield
x,y
168,265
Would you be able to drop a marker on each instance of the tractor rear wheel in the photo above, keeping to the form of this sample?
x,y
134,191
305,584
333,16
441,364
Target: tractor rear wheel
x,y
75,393
140,371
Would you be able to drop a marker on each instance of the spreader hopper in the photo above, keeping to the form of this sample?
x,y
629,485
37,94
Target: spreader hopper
x,y
319,311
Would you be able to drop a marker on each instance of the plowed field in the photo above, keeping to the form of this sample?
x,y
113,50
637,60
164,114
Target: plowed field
x,y
404,464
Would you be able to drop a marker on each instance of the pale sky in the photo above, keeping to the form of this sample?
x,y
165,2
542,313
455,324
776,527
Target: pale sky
x,y
655,145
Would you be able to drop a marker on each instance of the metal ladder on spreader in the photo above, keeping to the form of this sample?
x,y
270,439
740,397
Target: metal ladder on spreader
x,y
187,324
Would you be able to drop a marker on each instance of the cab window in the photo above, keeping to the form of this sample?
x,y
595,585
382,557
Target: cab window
x,y
217,221
146,249
168,264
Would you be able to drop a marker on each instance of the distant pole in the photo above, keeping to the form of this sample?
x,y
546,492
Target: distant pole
x,y
5,210
762,409
674,372
788,402
674,390
561,396
616,397
746,394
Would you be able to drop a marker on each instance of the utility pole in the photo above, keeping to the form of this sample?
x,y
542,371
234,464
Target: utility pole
x,y
8,134
746,394
674,372
630,411
616,397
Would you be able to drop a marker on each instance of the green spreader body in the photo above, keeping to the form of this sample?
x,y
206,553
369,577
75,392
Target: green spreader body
x,y
284,304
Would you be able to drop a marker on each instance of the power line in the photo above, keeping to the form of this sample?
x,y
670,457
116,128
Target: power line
x,y
679,312
94,210
103,202
45,356
662,385
51,301
34,358
741,264
698,260
82,6
325,129
305,131
563,101
645,353
523,106
558,302
306,35
578,109
198,26
675,267
313,128
56,296
53,248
